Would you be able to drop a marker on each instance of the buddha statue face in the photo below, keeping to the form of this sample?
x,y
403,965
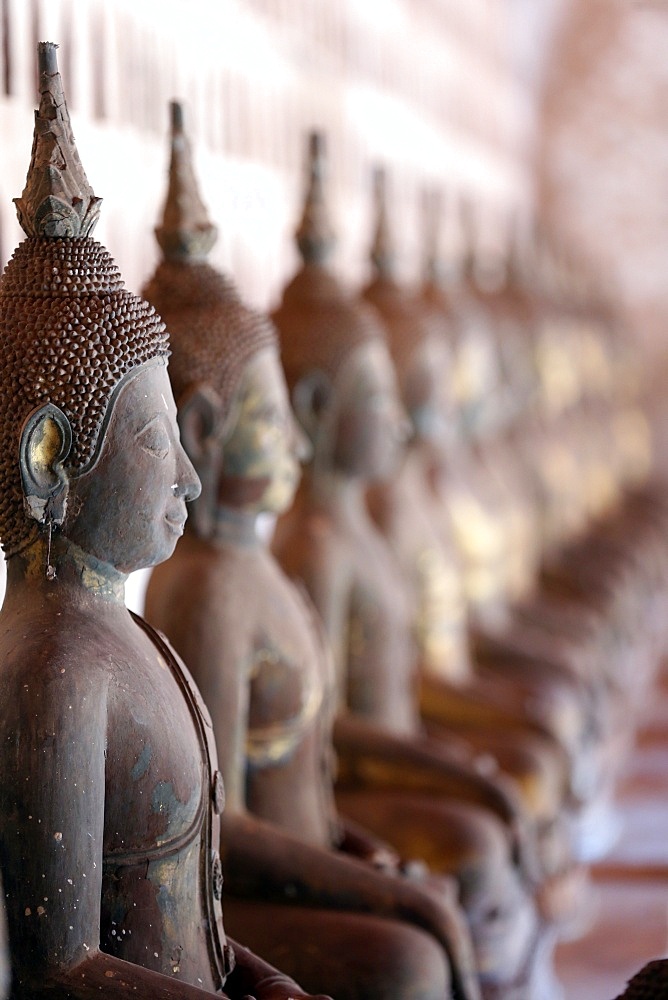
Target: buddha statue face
x,y
367,422
129,509
426,384
264,447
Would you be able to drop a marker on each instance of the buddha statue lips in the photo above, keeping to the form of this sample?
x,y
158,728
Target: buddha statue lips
x,y
110,795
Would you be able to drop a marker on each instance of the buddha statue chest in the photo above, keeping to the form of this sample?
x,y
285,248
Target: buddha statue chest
x,y
381,667
482,545
291,680
292,700
162,878
252,639
430,564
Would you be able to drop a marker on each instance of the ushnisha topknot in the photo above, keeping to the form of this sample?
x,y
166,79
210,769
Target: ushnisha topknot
x,y
57,199
69,329
320,322
213,334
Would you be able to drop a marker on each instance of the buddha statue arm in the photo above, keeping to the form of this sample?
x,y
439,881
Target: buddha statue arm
x,y
263,862
368,755
251,979
252,974
482,703
360,843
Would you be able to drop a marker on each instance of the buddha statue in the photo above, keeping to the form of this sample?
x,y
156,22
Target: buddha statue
x,y
303,886
422,796
109,789
519,725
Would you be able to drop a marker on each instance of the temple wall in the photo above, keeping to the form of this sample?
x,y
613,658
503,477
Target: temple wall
x,y
602,151
433,90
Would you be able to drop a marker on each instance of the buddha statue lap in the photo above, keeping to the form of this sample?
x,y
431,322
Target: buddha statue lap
x,y
392,778
109,789
303,887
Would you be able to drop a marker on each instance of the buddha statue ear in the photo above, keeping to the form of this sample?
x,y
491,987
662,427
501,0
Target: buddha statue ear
x,y
311,397
199,415
201,424
45,443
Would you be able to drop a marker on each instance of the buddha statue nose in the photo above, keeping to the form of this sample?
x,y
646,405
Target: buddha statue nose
x,y
187,485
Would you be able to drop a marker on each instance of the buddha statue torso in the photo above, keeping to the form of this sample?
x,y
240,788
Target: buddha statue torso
x,y
377,659
151,750
263,628
403,509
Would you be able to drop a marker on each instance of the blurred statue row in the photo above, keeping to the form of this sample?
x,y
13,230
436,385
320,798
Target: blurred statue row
x,y
388,741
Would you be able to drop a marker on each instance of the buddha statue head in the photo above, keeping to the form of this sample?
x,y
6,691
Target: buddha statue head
x,y
86,404
234,412
417,334
338,367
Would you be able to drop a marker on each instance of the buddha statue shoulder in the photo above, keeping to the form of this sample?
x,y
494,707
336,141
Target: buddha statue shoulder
x,y
419,794
303,885
109,788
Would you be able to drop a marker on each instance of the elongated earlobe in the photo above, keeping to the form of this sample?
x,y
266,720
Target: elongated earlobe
x,y
199,414
309,398
46,440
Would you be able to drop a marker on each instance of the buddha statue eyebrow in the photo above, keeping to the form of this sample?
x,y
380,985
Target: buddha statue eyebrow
x,y
157,418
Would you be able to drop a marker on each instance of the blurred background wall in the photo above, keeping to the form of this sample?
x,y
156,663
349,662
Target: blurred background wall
x,y
440,91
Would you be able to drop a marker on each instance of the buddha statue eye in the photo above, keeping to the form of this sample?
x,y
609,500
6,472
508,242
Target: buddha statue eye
x,y
154,439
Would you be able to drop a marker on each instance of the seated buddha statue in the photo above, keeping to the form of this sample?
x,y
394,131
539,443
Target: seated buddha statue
x,y
519,724
109,789
392,777
303,887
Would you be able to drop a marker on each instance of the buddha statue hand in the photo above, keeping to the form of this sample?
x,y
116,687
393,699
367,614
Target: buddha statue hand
x,y
283,992
432,903
265,982
414,869
360,843
282,989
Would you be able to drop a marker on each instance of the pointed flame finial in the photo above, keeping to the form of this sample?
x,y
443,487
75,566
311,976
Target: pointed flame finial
x,y
382,250
185,232
432,210
468,229
57,200
315,236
